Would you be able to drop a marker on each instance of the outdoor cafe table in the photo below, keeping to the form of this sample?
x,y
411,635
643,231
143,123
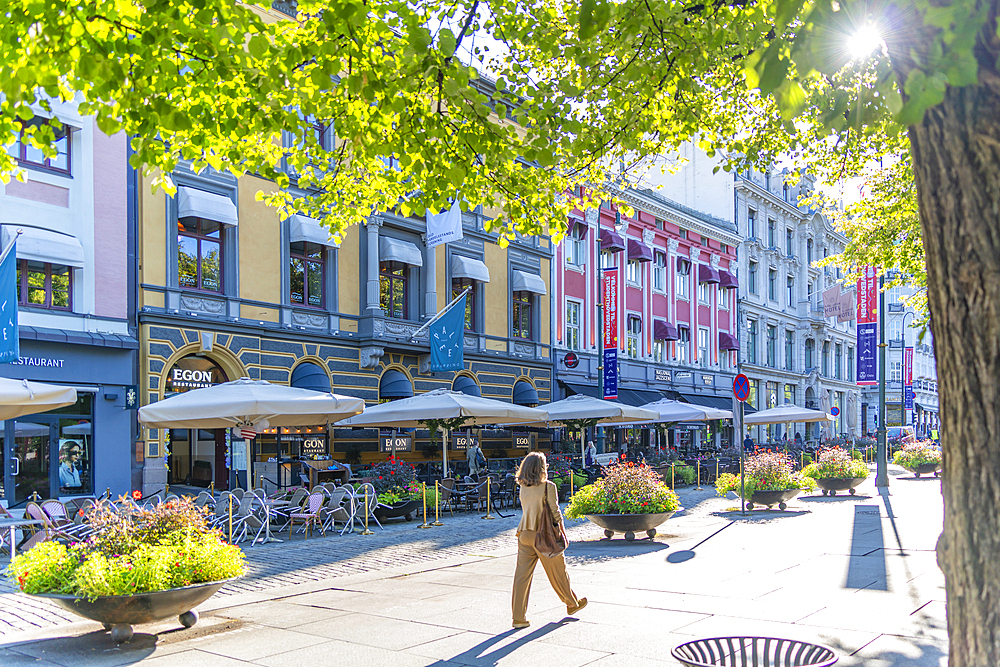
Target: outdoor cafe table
x,y
13,525
270,504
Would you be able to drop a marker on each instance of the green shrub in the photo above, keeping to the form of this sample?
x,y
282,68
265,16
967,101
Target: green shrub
x,y
626,488
765,471
917,453
836,463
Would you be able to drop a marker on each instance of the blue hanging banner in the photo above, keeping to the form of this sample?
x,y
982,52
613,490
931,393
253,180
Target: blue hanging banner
x,y
10,350
447,339
867,353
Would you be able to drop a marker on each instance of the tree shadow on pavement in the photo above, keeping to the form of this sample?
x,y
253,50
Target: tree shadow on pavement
x,y
481,654
921,654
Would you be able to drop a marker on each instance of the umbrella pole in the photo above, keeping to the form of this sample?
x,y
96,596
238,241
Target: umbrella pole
x,y
249,445
444,452
583,447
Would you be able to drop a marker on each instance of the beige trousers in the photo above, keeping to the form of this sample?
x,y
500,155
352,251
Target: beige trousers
x,y
555,569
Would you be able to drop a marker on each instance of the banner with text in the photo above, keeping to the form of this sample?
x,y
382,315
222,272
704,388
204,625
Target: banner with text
x,y
610,301
908,377
867,305
10,348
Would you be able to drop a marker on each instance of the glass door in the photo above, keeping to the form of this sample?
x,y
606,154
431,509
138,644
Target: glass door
x,y
30,460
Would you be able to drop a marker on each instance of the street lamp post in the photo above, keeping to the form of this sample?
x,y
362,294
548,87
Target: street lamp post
x,y
902,373
881,463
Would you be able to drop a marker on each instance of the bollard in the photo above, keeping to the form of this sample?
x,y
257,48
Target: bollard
x,y
108,493
570,482
488,514
423,486
716,468
671,476
437,505
211,487
230,518
368,510
698,466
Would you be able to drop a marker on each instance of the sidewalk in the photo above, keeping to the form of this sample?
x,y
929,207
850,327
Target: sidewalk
x,y
857,573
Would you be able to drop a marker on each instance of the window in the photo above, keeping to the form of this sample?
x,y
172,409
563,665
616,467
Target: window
x,y
392,283
44,285
682,233
27,155
751,223
458,285
895,331
772,228
752,398
809,251
752,278
683,273
892,295
896,371
633,272
704,241
789,350
810,353
522,314
607,259
660,272
576,246
573,325
789,242
658,223
772,343
659,351
683,341
790,394
724,298
199,254
705,293
752,341
633,329
837,351
826,359
784,191
772,284
306,274
724,249
704,358
850,364
790,284
809,294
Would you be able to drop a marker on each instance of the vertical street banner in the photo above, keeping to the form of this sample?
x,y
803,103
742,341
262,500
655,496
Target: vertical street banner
x,y
447,339
867,327
609,285
444,227
908,378
10,349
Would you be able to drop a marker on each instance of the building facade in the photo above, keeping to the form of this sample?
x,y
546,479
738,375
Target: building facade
x,y
75,314
228,290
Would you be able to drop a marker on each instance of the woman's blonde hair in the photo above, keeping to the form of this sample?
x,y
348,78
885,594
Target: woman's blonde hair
x,y
533,470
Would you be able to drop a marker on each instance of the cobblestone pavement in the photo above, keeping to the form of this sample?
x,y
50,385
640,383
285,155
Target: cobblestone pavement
x,y
319,558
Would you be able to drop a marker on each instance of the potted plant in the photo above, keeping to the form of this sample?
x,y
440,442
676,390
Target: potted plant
x,y
630,498
836,470
399,494
140,565
768,480
920,458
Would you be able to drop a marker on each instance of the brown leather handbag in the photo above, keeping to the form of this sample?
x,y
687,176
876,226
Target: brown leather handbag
x,y
551,538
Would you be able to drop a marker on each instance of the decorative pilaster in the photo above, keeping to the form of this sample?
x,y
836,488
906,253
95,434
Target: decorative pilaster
x,y
373,302
430,281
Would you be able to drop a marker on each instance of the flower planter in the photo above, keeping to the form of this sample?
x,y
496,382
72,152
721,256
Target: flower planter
x,y
630,524
772,498
830,485
119,613
924,469
404,508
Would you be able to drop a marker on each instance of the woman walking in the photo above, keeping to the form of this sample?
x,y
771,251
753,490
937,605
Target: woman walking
x,y
538,503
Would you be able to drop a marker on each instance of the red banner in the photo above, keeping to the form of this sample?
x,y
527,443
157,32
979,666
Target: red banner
x,y
610,299
908,366
868,296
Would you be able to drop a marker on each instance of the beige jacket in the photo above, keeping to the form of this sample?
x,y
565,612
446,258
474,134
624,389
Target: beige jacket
x,y
533,507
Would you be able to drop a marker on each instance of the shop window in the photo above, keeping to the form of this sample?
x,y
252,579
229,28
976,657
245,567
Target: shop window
x,y
199,254
44,285
573,325
522,303
306,271
393,286
458,285
27,155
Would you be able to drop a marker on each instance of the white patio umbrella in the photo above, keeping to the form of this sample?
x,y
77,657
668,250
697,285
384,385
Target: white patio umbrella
x,y
21,397
252,404
580,406
83,428
785,414
30,430
444,404
676,411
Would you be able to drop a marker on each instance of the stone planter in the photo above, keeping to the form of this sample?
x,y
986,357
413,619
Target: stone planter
x,y
772,498
630,524
924,469
119,613
830,485
404,508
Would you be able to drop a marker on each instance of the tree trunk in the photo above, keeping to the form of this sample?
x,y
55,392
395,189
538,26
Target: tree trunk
x,y
956,162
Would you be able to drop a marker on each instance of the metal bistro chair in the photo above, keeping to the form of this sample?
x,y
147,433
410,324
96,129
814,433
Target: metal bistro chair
x,y
334,510
506,495
294,503
447,494
61,519
309,515
364,509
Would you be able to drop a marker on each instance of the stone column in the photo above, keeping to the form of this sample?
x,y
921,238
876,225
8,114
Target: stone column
x,y
373,301
430,281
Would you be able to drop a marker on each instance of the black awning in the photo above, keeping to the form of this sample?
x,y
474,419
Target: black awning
x,y
633,397
720,402
586,389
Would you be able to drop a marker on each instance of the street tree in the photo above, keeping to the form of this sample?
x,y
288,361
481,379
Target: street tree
x,y
580,93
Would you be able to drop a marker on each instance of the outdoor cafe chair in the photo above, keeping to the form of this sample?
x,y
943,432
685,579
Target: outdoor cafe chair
x,y
309,514
447,494
60,517
47,531
506,495
204,499
251,516
294,503
364,509
334,510
221,517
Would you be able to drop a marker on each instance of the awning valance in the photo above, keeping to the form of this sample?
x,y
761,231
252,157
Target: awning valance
x,y
194,203
611,240
395,384
639,251
466,385
727,279
706,274
302,228
527,282
720,402
397,250
663,330
45,245
467,267
525,394
727,341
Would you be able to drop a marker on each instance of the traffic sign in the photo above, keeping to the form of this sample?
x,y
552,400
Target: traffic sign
x,y
741,387
834,411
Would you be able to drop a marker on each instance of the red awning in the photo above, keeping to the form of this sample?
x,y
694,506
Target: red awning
x,y
639,251
727,341
611,240
706,274
727,279
577,223
663,330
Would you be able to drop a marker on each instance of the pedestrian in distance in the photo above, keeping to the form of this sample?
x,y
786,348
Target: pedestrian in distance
x,y
539,503
748,444
590,456
476,460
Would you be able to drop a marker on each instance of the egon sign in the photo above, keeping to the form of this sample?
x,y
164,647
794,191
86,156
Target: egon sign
x,y
194,372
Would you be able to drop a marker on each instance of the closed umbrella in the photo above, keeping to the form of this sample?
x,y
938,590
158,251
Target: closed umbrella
x,y
21,397
442,404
